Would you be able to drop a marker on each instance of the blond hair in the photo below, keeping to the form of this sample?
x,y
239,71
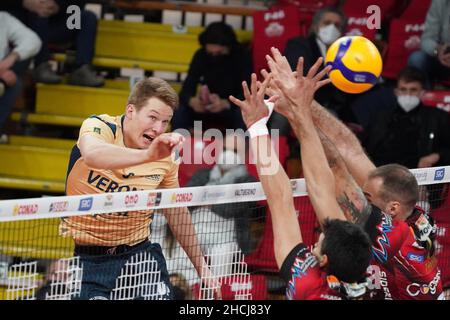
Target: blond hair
x,y
153,87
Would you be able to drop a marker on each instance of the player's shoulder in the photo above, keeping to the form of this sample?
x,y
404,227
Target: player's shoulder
x,y
106,118
381,220
103,121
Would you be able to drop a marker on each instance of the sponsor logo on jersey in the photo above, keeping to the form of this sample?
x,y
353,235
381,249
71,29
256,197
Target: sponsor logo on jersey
x,y
154,177
415,257
414,289
85,204
105,184
377,280
126,176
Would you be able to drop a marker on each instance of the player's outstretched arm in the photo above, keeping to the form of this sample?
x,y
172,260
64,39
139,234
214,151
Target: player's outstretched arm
x,y
343,138
100,154
274,180
318,175
349,195
348,145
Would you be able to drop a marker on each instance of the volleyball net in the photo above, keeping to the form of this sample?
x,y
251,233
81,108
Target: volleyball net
x,y
232,222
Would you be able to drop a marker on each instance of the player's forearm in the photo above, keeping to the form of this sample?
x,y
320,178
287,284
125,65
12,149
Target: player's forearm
x,y
342,137
319,177
273,178
345,141
277,188
180,223
109,156
348,194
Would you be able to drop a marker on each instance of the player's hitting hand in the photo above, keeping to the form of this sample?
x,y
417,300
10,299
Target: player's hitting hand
x,y
163,145
253,107
294,84
298,94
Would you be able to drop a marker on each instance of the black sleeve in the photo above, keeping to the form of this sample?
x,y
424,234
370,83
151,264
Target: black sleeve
x,y
192,80
293,51
299,250
444,147
372,222
10,5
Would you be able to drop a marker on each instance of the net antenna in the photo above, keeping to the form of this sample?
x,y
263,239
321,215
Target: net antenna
x,y
140,279
22,281
65,279
230,269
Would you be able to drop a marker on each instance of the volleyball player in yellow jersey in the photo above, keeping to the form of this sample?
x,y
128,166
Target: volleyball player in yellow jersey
x,y
124,153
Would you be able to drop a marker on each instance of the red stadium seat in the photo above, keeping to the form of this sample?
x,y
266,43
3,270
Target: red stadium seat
x,y
356,12
416,10
263,258
404,37
273,28
438,99
307,9
309,5
231,286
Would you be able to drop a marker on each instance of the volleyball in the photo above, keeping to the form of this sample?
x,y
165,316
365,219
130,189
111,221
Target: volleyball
x,y
356,64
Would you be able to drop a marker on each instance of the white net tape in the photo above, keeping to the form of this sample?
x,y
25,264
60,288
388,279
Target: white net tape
x,y
26,209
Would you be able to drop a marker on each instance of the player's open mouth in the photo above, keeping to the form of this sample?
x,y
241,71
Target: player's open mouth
x,y
149,139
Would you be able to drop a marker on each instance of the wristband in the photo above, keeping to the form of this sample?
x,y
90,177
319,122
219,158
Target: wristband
x,y
259,128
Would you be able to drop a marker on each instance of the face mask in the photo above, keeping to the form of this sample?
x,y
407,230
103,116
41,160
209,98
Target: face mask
x,y
329,34
228,159
408,103
217,59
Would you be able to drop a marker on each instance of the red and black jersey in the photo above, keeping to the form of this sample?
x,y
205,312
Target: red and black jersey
x,y
307,281
403,267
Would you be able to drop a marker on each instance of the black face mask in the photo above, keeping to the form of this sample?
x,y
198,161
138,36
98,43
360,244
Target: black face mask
x,y
218,59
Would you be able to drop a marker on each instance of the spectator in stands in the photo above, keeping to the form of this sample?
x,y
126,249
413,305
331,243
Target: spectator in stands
x,y
327,26
400,129
434,57
217,70
13,62
231,169
48,18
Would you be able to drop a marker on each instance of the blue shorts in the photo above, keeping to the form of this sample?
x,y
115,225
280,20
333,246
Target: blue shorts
x,y
101,272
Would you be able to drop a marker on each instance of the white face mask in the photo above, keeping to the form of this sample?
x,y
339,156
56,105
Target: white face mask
x,y
228,159
408,103
329,34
